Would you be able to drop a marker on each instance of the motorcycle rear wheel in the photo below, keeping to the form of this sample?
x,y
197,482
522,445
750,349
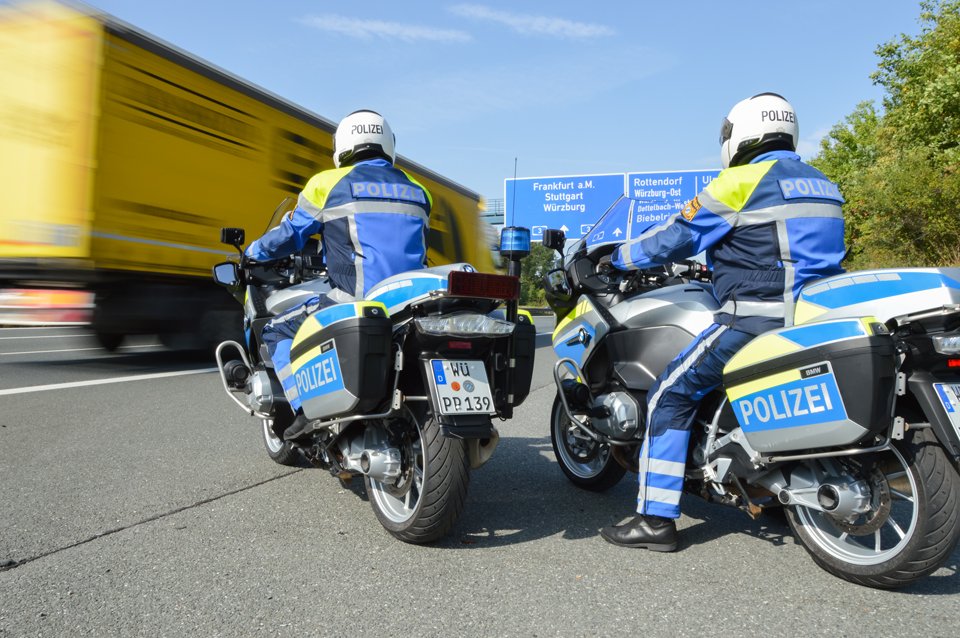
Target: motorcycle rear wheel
x,y
423,504
911,530
587,464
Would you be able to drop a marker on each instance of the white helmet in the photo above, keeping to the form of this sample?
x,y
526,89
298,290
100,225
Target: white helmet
x,y
762,123
362,135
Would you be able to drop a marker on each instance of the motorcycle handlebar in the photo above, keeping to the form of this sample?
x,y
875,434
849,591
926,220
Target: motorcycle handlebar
x,y
694,270
687,269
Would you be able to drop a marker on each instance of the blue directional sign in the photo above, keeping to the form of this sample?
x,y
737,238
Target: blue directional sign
x,y
572,203
661,194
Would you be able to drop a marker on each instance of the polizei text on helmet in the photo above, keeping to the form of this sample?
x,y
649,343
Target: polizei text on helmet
x,y
366,129
777,116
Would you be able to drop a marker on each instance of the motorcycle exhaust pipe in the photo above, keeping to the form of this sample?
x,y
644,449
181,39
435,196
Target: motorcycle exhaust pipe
x,y
479,451
382,466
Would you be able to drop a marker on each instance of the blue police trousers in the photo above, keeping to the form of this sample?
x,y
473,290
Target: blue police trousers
x,y
671,407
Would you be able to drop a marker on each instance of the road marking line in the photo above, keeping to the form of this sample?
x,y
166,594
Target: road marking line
x,y
9,354
81,384
44,337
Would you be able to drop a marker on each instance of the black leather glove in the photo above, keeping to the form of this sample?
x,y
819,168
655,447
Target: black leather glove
x,y
604,266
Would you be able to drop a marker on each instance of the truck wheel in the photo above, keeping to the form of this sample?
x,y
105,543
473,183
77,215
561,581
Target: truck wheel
x,y
109,341
912,522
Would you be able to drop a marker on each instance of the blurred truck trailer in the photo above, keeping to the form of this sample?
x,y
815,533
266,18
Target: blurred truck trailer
x,y
121,157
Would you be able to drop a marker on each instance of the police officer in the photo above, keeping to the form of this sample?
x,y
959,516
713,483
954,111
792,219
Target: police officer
x,y
374,221
769,223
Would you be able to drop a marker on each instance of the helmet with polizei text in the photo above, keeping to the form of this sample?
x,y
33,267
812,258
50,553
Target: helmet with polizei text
x,y
762,123
363,135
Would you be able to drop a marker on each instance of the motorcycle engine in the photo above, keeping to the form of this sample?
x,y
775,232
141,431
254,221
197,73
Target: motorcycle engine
x,y
622,420
262,392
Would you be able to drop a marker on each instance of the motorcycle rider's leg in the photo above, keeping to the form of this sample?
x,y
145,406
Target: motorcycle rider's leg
x,y
278,336
671,408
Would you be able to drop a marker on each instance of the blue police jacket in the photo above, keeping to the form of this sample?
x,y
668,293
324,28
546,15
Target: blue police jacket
x,y
767,227
373,218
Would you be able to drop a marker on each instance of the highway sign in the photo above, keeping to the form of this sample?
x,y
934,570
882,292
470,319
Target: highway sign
x,y
661,194
572,203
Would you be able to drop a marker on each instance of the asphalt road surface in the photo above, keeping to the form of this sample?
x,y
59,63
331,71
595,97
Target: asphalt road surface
x,y
136,500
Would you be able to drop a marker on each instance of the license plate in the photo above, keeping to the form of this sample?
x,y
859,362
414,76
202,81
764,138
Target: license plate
x,y
461,387
949,394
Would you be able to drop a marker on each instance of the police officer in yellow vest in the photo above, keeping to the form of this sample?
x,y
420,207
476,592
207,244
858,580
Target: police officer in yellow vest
x,y
373,218
769,223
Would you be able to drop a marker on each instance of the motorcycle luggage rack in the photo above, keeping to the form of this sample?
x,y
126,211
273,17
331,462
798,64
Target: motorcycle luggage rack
x,y
760,460
395,404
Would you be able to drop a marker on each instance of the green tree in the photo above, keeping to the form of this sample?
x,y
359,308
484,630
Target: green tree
x,y
900,170
921,76
847,154
537,264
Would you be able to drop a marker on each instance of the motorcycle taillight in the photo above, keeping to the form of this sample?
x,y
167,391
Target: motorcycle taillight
x,y
475,284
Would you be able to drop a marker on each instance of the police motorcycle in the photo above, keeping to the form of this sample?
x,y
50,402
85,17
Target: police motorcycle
x,y
849,419
400,387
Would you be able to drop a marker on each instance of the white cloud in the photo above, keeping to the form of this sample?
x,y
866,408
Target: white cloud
x,y
370,29
532,24
809,146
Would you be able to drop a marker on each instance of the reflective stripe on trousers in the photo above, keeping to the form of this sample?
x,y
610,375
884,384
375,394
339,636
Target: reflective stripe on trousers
x,y
671,408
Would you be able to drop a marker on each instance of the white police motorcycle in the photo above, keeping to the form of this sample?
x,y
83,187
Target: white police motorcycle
x,y
849,419
400,387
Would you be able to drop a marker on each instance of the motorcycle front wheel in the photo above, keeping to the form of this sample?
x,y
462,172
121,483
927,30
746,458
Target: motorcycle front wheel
x,y
588,464
425,501
913,521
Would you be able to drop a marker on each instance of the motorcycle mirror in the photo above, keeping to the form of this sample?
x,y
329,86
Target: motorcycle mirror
x,y
232,237
227,273
555,239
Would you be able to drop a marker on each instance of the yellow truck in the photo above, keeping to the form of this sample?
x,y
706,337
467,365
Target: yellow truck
x,y
121,157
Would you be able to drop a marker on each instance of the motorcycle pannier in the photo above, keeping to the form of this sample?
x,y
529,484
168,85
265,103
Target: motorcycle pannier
x,y
813,386
341,359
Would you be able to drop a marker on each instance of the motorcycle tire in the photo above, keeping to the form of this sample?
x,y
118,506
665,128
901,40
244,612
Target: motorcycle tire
x,y
915,507
282,452
587,464
423,504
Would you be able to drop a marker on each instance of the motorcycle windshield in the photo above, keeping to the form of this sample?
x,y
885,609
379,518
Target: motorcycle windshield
x,y
624,220
286,206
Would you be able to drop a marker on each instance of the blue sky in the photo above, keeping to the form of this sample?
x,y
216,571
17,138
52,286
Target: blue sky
x,y
565,87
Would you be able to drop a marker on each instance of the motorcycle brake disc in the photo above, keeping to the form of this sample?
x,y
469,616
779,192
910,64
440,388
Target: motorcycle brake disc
x,y
400,487
584,451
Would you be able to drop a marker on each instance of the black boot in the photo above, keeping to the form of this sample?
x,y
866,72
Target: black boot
x,y
296,428
648,532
